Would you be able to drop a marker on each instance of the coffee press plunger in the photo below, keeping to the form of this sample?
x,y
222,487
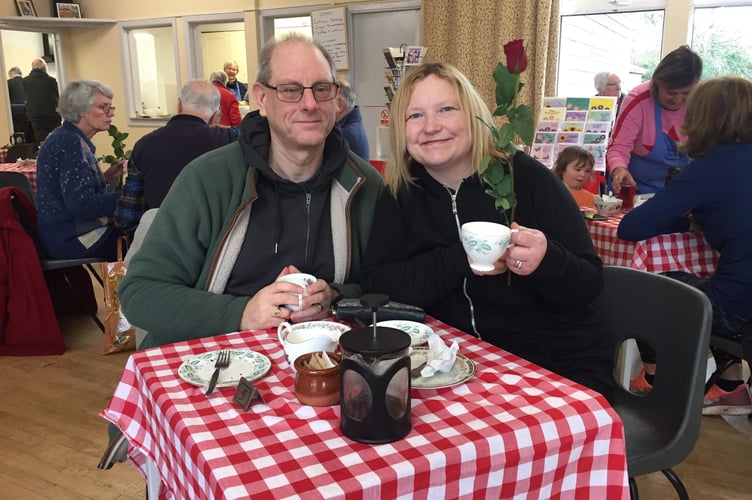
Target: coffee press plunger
x,y
375,380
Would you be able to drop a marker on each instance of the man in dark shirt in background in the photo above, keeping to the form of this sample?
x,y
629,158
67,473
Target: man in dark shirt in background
x,y
160,156
17,96
42,96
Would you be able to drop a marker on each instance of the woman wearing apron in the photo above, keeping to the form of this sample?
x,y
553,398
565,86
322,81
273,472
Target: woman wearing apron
x,y
643,144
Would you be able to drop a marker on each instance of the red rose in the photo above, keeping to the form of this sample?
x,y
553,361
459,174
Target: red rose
x,y
516,57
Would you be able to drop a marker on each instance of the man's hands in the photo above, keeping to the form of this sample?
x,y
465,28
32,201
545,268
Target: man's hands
x,y
266,310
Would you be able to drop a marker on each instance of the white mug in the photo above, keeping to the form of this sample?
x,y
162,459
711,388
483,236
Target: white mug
x,y
301,279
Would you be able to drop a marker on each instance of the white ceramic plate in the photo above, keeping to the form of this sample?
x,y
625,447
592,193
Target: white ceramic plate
x,y
418,332
462,371
243,363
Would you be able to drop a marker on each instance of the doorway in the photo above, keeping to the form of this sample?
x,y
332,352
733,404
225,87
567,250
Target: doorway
x,y
372,28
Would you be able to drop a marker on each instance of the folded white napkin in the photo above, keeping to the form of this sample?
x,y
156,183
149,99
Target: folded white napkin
x,y
440,358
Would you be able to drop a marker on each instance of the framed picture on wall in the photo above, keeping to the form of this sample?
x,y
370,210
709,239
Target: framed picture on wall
x,y
69,10
26,8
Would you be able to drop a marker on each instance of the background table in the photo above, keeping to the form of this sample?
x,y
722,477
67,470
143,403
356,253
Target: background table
x,y
514,430
28,169
687,252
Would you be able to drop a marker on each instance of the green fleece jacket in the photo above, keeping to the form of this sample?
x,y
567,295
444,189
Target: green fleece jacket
x,y
175,284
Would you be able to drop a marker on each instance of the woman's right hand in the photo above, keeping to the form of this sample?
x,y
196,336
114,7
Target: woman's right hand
x,y
620,176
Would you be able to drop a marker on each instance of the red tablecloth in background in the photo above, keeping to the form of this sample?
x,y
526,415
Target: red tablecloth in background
x,y
514,430
29,170
687,252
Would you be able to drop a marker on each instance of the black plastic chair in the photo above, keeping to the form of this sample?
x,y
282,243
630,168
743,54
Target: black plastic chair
x,y
20,149
661,428
19,180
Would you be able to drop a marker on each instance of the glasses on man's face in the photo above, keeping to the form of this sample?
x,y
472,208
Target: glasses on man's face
x,y
106,108
292,92
613,84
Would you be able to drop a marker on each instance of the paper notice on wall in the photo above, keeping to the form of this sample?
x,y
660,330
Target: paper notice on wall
x,y
330,30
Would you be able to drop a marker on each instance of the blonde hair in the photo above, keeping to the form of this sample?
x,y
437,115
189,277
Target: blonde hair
x,y
719,111
398,171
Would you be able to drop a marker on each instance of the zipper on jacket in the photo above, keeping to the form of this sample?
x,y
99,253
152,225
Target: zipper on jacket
x,y
453,196
308,224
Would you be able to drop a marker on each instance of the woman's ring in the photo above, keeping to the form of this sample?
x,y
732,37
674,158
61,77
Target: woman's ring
x,y
518,264
277,312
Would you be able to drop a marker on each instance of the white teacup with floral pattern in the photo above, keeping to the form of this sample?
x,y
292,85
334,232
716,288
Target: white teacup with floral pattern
x,y
484,242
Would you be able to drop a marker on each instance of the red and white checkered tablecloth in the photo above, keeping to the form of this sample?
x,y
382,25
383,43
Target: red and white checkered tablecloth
x,y
28,169
688,252
515,430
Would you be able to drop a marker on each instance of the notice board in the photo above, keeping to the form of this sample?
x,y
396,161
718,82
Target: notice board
x,y
330,30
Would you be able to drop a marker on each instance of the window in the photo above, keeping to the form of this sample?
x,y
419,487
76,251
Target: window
x,y
214,39
284,25
151,68
278,22
721,36
626,43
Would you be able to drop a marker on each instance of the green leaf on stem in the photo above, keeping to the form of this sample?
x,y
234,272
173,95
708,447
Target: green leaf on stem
x,y
523,123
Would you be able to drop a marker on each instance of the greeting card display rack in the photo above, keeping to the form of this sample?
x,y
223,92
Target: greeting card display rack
x,y
574,121
399,60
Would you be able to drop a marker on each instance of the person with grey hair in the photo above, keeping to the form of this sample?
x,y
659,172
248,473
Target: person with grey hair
x,y
608,84
159,156
350,121
230,112
73,205
42,97
288,197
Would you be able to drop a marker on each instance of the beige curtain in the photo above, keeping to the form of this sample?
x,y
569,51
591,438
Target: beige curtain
x,y
470,34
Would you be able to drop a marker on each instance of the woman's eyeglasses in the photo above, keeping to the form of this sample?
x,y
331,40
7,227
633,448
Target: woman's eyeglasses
x,y
106,108
293,92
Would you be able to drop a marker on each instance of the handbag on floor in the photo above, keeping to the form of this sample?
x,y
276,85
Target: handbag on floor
x,y
119,335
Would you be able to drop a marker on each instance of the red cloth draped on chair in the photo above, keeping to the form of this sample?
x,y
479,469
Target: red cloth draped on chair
x,y
28,326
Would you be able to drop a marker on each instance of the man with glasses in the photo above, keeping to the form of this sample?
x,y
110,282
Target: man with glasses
x,y
289,196
608,84
74,208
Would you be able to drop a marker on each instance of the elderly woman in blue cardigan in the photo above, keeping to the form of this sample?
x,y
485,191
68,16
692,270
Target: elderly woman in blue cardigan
x,y
74,207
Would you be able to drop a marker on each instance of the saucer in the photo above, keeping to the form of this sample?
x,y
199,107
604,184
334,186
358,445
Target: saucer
x,y
245,363
462,371
418,332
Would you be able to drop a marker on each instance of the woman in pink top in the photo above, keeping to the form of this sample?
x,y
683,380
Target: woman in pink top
x,y
643,143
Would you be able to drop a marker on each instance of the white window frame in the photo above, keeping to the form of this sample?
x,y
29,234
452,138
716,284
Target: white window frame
x,y
192,34
128,63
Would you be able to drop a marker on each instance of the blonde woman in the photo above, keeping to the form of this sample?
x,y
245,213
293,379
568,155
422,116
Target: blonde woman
x,y
414,255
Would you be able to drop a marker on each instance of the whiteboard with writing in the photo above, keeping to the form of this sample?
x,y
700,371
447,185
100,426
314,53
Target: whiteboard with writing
x,y
330,30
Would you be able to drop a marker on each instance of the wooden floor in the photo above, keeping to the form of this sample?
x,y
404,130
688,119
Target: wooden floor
x,y
52,437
